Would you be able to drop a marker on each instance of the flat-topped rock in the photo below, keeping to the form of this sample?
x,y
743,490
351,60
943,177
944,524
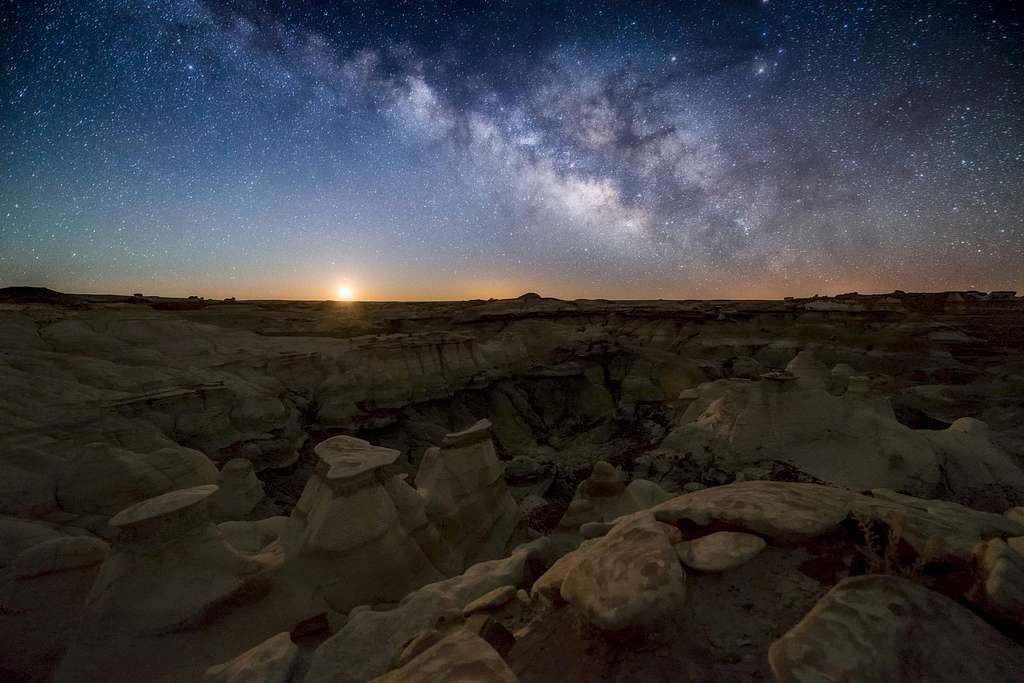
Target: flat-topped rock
x,y
478,431
163,507
346,457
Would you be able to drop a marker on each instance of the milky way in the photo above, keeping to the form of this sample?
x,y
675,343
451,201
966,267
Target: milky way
x,y
453,150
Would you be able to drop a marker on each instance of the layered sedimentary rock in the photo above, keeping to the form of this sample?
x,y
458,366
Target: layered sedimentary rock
x,y
111,403
853,440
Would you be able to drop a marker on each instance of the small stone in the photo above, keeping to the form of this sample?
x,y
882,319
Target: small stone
x,y
693,486
595,529
720,551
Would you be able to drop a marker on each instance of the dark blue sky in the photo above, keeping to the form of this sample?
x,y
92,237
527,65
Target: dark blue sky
x,y
455,150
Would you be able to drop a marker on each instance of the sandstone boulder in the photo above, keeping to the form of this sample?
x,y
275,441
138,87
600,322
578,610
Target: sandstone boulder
x,y
461,657
884,628
272,661
627,580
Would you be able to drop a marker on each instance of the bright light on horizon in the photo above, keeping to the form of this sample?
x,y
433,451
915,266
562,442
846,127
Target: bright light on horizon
x,y
346,293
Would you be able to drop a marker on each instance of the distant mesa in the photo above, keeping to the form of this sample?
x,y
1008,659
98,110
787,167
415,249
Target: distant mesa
x,y
34,295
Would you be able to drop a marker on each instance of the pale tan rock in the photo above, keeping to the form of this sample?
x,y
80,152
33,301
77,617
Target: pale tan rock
x,y
628,580
169,570
462,656
720,551
463,487
168,564
604,497
239,491
372,640
782,511
885,629
345,539
490,601
852,440
253,537
1016,515
1000,588
272,661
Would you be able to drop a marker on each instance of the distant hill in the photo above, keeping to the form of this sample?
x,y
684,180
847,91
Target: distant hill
x,y
36,295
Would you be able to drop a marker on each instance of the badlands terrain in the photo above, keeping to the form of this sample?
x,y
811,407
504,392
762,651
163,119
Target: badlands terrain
x,y
530,489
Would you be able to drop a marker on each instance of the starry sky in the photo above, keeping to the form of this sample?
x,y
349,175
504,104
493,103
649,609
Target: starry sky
x,y
450,150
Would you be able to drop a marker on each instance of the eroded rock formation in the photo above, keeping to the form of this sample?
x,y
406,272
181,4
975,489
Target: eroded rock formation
x,y
687,488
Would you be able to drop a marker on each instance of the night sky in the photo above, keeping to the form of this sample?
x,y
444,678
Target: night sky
x,y
448,150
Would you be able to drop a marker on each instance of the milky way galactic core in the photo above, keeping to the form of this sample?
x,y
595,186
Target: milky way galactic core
x,y
448,150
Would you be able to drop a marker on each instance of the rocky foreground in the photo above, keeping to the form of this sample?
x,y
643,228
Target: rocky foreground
x,y
528,489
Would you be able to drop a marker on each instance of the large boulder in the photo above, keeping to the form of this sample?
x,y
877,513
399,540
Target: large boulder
x,y
627,580
889,629
460,657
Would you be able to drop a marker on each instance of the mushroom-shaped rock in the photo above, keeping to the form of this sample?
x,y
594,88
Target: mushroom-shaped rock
x,y
628,580
463,486
240,491
462,656
272,661
720,551
345,536
169,570
169,565
889,629
604,497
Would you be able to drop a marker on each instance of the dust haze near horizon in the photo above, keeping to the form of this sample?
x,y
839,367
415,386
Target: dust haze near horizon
x,y
443,151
